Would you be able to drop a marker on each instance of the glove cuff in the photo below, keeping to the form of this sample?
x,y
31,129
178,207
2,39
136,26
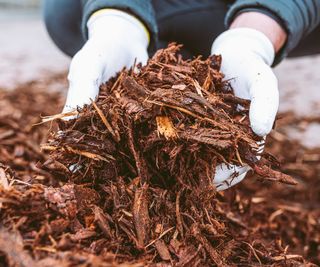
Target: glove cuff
x,y
245,38
115,21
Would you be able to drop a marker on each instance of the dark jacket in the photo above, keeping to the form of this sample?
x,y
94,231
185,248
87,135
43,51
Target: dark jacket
x,y
298,17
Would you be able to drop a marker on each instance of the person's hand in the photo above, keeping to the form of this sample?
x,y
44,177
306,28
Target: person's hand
x,y
247,55
116,40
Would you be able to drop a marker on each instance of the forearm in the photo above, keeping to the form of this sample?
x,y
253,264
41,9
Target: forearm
x,y
263,23
298,18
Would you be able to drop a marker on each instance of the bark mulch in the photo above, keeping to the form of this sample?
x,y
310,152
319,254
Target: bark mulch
x,y
128,182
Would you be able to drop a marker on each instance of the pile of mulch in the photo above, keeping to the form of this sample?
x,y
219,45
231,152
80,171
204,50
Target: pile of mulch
x,y
129,181
20,110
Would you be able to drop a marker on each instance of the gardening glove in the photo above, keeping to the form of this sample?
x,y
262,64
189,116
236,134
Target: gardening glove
x,y
247,55
116,40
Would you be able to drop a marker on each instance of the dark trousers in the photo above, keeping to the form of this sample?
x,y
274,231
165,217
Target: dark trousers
x,y
193,23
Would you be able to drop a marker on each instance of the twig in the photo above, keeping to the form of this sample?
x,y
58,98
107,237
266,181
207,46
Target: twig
x,y
115,135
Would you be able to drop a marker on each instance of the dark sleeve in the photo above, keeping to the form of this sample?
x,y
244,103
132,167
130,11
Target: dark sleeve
x,y
297,17
142,9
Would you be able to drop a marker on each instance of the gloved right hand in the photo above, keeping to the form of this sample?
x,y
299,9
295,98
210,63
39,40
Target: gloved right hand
x,y
251,77
116,40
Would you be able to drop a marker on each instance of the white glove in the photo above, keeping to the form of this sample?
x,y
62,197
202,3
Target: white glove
x,y
116,40
247,55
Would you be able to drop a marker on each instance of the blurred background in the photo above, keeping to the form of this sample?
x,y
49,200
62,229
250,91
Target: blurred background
x,y
27,54
20,3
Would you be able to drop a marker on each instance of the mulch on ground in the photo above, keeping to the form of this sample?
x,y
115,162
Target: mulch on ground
x,y
129,181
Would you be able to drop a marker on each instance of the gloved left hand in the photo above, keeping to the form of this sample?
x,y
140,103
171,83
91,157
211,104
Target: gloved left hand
x,y
116,40
247,55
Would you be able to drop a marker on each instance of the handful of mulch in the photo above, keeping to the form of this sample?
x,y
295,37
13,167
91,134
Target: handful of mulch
x,y
171,117
148,148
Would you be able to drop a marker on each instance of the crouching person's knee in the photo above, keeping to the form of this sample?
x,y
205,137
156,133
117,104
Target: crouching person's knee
x,y
63,22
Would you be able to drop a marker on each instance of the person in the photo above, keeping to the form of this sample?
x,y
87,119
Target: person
x,y
103,36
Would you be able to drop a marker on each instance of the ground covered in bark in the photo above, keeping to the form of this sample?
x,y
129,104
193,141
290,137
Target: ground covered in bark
x,y
129,182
